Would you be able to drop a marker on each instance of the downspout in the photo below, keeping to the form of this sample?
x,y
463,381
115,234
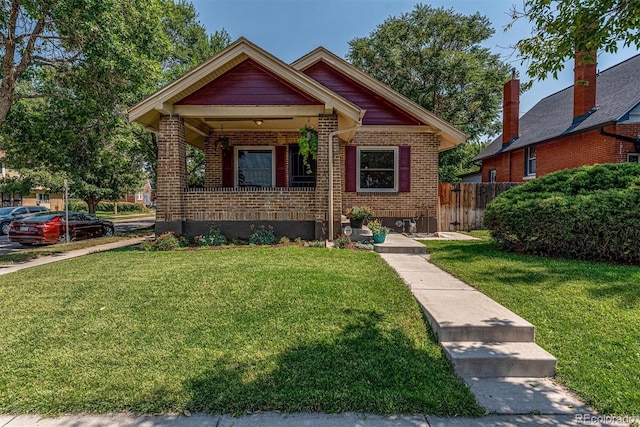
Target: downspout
x,y
331,135
635,141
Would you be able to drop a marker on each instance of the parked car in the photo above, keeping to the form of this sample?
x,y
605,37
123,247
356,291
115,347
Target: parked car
x,y
16,212
50,227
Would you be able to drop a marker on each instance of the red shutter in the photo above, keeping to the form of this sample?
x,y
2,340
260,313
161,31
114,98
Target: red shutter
x,y
227,168
404,174
281,166
350,165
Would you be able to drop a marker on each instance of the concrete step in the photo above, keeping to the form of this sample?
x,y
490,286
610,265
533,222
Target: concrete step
x,y
500,359
458,313
399,244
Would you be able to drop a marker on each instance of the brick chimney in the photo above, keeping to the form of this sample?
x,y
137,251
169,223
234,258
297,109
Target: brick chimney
x,y
584,88
511,108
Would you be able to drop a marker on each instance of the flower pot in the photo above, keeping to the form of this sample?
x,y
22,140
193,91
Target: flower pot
x,y
379,238
356,223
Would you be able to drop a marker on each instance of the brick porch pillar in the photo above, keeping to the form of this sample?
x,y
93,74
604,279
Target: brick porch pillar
x,y
327,123
212,163
172,174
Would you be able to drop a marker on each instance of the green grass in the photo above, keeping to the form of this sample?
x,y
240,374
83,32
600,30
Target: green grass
x,y
36,251
585,314
125,215
227,331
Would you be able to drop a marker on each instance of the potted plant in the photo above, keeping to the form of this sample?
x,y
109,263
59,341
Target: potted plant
x,y
223,142
308,143
378,230
358,215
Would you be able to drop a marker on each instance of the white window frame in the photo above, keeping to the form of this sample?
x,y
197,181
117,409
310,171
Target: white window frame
x,y
396,169
636,155
527,161
254,148
492,175
139,195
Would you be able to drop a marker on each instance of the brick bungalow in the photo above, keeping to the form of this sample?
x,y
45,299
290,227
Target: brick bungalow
x,y
243,108
597,120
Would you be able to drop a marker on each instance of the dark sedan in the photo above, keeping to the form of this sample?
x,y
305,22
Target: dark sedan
x,y
16,212
50,227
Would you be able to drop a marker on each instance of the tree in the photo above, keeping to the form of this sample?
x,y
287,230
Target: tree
x,y
58,35
433,56
563,27
458,161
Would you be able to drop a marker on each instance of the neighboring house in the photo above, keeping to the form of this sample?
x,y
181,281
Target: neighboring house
x,y
595,121
146,195
37,197
384,150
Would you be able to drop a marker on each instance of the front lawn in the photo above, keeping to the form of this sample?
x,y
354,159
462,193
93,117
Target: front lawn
x,y
585,314
226,331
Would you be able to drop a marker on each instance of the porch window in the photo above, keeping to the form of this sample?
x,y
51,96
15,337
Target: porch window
x,y
299,175
530,161
377,169
255,167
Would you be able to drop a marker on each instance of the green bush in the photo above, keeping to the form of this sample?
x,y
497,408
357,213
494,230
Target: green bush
x,y
262,235
81,206
214,237
590,213
165,242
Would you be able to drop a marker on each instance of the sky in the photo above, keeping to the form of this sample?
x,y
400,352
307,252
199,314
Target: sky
x,y
289,29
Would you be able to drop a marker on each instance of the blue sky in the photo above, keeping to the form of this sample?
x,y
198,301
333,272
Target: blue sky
x,y
291,28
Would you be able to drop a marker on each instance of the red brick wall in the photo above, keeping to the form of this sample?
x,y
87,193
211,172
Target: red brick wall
x,y
572,151
423,197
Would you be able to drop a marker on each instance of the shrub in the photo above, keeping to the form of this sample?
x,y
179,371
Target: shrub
x,y
81,206
317,244
262,235
589,213
365,246
341,242
165,242
214,237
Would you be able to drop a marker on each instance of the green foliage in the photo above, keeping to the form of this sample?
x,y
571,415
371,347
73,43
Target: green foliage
x,y
359,212
341,242
81,206
435,57
377,228
262,235
562,28
458,161
365,246
589,213
317,244
165,242
214,237
308,143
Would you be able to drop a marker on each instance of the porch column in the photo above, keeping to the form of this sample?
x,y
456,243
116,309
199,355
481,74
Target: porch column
x,y
172,174
327,123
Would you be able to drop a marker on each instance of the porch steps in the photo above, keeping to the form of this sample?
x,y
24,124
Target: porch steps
x,y
482,338
399,244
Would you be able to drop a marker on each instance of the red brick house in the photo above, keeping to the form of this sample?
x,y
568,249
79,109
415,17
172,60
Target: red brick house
x,y
595,121
244,107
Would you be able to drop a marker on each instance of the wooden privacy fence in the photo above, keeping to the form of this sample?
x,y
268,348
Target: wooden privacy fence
x,y
462,204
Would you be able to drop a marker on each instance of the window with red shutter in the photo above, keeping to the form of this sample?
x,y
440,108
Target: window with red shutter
x,y
350,167
227,168
404,179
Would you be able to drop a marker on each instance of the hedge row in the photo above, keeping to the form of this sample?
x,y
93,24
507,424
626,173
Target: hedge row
x,y
81,206
590,213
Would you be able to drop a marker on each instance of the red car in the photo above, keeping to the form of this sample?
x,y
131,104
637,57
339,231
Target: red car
x,y
49,227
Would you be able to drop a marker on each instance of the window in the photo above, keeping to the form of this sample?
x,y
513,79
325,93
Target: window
x,y
492,175
633,157
377,169
530,161
299,175
255,167
139,195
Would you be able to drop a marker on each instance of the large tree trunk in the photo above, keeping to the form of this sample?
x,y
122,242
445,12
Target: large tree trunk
x,y
92,204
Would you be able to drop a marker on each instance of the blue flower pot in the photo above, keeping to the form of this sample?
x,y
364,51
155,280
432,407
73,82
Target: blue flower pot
x,y
379,238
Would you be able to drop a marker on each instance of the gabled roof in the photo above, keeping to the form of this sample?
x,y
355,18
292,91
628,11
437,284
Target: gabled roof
x,y
148,111
617,93
450,136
